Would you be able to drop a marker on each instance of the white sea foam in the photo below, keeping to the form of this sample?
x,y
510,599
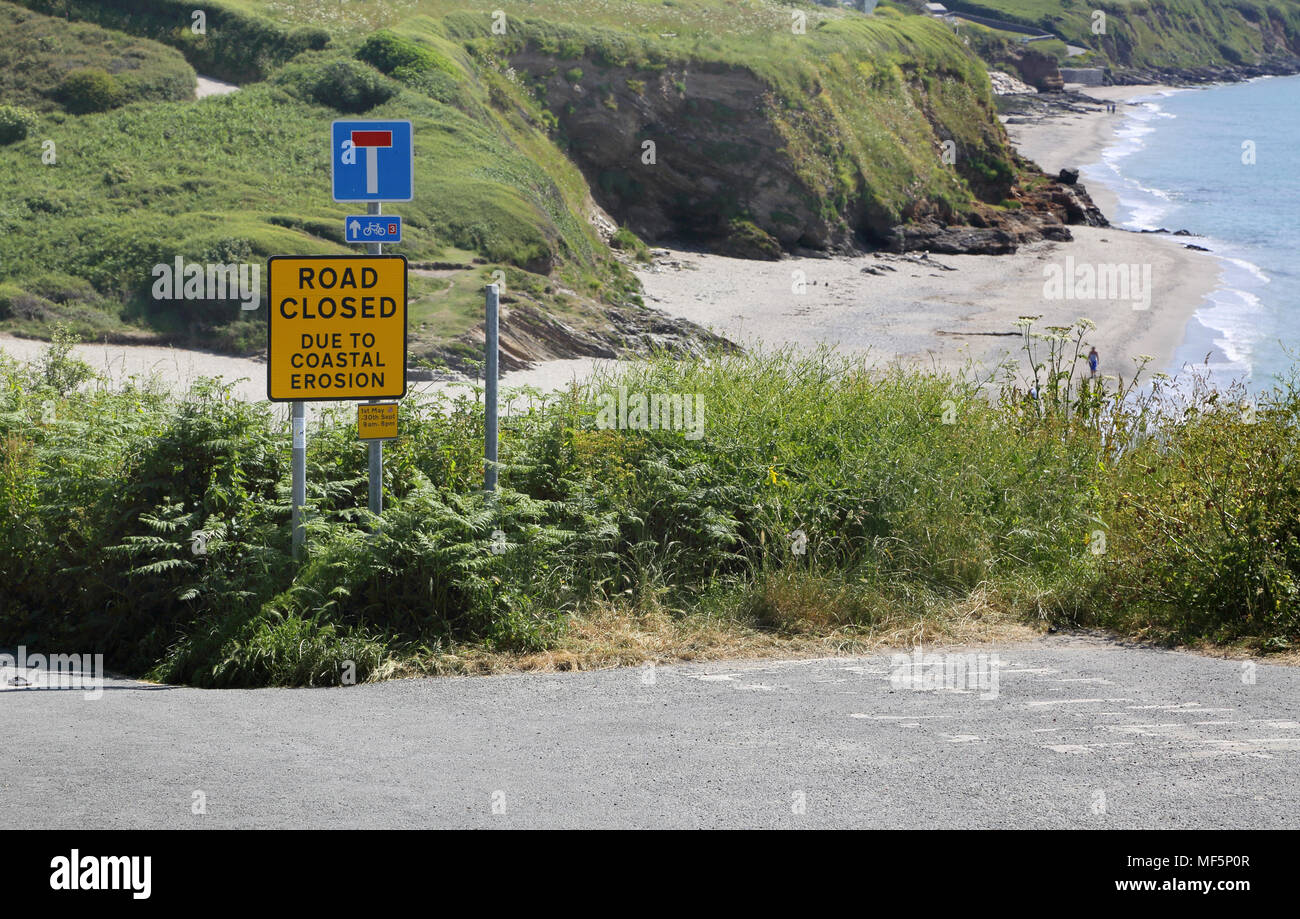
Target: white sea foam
x,y
1235,322
1251,267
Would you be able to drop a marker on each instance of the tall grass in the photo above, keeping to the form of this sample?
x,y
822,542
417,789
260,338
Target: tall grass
x,y
824,494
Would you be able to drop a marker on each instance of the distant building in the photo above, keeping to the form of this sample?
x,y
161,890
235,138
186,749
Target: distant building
x,y
936,9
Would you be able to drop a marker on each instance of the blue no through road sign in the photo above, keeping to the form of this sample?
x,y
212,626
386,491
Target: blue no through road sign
x,y
373,160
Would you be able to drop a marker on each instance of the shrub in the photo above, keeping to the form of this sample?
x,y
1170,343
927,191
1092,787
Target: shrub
x,y
90,89
912,489
345,85
64,288
16,123
625,240
308,38
747,240
57,368
386,52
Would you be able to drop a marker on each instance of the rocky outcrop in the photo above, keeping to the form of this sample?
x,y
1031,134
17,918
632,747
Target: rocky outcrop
x,y
1043,213
1211,73
529,334
710,154
1039,70
1004,84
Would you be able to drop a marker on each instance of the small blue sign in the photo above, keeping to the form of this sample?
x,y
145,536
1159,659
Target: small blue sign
x,y
373,160
373,228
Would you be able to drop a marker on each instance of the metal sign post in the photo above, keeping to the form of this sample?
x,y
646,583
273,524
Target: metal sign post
x,y
490,391
298,424
376,446
337,325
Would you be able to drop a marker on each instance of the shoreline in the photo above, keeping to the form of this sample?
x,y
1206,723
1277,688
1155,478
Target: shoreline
x,y
948,312
958,312
1080,140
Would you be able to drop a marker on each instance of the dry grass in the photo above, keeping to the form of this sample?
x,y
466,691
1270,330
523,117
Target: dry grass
x,y
789,617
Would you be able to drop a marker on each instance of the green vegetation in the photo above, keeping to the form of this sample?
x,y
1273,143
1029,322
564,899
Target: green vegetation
x,y
627,241
90,89
39,54
1169,517
1162,33
16,123
232,45
855,106
245,176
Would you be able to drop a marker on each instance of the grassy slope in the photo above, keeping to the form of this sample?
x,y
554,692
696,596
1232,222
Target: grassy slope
x,y
854,99
1164,33
853,92
38,52
247,176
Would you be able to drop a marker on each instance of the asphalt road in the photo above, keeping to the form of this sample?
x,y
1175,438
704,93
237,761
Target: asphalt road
x,y
1077,733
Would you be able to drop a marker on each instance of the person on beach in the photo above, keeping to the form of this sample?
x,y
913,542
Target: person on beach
x,y
1093,361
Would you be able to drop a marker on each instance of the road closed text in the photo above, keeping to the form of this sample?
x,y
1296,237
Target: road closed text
x,y
334,301
337,328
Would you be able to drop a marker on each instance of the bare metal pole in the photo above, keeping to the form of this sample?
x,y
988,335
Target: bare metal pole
x,y
298,426
376,446
490,393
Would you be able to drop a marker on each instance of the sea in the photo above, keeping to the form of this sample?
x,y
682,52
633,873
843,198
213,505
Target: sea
x,y
1223,162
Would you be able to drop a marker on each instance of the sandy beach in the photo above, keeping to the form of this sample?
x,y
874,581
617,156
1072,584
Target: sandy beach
x,y
943,311
936,311
952,311
178,368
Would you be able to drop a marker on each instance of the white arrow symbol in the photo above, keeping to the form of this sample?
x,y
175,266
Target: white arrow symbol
x,y
354,227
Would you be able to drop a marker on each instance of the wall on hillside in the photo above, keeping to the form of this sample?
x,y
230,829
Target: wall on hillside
x,y
1088,76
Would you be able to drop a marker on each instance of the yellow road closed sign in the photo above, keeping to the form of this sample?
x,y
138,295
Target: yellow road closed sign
x,y
377,421
337,327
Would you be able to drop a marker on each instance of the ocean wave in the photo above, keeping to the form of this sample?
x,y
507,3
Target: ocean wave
x,y
1240,330
1142,207
1250,267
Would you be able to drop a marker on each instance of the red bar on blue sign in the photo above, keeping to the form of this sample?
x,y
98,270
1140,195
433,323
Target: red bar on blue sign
x,y
372,138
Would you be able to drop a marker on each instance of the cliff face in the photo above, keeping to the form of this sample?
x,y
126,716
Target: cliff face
x,y
876,126
1164,40
685,151
722,155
